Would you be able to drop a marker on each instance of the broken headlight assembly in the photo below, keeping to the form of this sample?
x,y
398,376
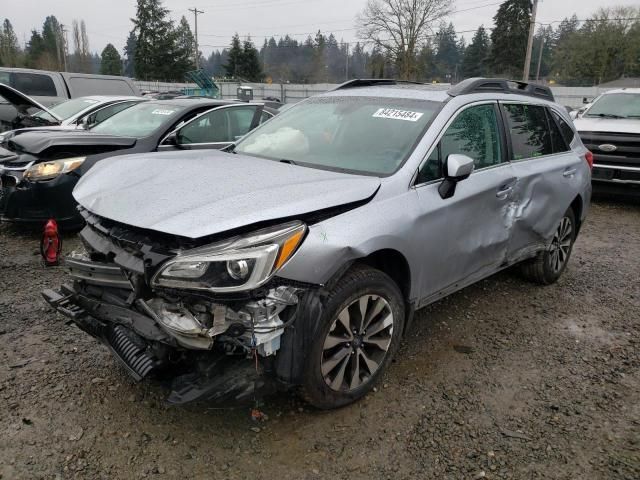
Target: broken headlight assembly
x,y
242,263
53,169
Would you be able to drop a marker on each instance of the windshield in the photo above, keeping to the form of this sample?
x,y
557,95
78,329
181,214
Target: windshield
x,y
357,134
69,108
617,105
139,121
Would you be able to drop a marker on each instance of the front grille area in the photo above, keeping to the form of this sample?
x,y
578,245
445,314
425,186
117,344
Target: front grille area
x,y
627,153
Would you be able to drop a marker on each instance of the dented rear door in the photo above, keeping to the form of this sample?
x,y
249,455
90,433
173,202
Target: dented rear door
x,y
548,174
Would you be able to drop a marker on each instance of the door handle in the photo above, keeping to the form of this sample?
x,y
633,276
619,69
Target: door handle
x,y
504,192
569,172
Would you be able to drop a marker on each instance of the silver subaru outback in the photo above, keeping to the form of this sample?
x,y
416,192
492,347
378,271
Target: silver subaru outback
x,y
298,257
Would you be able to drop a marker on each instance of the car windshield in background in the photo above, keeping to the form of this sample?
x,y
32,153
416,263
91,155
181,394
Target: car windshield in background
x,y
138,121
622,105
356,134
69,108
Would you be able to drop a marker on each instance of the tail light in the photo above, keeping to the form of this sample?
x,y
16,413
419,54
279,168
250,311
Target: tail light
x,y
589,158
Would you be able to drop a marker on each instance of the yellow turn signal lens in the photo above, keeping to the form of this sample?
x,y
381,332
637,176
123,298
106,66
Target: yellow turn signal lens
x,y
288,248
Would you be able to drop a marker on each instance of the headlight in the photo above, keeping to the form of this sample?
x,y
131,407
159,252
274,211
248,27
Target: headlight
x,y
242,263
49,170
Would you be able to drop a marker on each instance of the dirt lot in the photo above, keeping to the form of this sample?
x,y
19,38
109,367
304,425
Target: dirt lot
x,y
502,380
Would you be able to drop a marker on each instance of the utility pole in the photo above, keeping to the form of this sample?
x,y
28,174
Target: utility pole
x,y
195,16
346,73
65,51
540,56
532,28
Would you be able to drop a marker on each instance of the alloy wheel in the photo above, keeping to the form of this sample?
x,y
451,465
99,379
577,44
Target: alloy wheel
x,y
561,245
357,343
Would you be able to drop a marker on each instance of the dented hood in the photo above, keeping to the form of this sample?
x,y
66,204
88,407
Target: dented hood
x,y
38,141
21,101
200,193
610,125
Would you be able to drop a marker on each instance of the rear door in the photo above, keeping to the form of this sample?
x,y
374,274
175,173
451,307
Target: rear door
x,y
465,237
547,171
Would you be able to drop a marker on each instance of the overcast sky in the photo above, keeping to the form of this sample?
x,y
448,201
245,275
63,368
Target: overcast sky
x,y
108,21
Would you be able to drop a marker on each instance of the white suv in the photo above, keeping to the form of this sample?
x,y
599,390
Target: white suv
x,y
610,128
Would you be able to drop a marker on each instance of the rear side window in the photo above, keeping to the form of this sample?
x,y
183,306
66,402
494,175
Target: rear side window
x,y
566,131
529,131
33,84
83,86
557,140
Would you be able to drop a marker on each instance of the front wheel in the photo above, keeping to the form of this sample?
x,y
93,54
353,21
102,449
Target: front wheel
x,y
358,335
547,267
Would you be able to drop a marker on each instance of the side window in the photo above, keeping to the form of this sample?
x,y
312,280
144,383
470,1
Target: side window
x,y
34,84
209,128
240,119
106,112
264,117
474,133
557,140
529,131
565,129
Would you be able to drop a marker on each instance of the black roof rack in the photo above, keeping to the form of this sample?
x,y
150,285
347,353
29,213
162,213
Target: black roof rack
x,y
501,85
372,82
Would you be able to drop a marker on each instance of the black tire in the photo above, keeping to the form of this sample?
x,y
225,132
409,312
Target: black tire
x,y
543,268
370,285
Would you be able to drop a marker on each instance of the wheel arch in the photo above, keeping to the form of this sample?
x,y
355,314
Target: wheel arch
x,y
577,205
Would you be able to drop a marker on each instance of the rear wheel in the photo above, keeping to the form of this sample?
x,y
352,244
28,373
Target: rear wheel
x,y
547,267
359,333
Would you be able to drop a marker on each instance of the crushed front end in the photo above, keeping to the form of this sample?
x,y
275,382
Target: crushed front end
x,y
206,317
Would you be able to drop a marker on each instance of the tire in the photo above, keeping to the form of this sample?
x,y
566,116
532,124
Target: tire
x,y
547,267
343,365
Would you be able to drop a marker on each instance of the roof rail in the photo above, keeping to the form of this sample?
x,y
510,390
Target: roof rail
x,y
484,85
371,82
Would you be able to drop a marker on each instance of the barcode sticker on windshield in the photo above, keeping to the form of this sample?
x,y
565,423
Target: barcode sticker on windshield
x,y
159,111
398,114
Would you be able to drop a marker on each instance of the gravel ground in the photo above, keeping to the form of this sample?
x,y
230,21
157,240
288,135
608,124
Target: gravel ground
x,y
502,380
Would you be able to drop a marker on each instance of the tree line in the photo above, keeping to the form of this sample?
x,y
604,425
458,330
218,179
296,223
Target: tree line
x,y
574,51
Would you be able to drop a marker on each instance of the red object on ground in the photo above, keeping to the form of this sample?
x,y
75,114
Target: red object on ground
x,y
51,244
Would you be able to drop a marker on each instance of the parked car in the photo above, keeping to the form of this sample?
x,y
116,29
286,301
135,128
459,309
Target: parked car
x,y
37,182
299,258
17,110
49,88
82,112
610,128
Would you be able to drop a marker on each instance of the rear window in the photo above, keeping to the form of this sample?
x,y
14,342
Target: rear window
x,y
33,84
529,131
81,86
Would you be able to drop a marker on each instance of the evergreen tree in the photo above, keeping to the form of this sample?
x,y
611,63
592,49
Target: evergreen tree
x,y
447,53
251,68
111,63
155,52
185,47
130,55
476,56
35,49
52,56
9,48
509,37
233,66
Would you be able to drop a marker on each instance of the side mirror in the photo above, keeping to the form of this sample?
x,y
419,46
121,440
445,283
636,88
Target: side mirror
x,y
457,168
171,139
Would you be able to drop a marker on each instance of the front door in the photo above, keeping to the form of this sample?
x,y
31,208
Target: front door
x,y
465,237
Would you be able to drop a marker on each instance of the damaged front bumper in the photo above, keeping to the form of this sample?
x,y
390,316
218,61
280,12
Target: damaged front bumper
x,y
205,347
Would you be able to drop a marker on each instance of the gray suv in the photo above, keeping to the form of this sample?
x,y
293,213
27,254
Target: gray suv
x,y
298,257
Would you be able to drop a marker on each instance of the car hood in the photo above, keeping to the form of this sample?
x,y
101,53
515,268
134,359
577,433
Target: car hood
x,y
38,141
613,125
201,193
21,101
